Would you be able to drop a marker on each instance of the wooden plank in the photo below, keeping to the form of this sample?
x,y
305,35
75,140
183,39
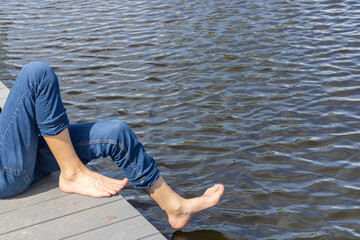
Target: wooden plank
x,y
109,219
48,210
42,191
157,236
75,224
4,92
43,209
134,228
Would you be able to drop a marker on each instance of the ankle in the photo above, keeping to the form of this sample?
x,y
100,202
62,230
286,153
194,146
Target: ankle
x,y
73,173
179,207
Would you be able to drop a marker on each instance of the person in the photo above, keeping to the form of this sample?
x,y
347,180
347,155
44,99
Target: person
x,y
37,139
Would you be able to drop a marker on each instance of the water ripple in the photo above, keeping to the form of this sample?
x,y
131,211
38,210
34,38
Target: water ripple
x,y
259,95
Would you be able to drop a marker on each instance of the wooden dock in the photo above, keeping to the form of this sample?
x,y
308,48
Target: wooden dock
x,y
44,212
4,92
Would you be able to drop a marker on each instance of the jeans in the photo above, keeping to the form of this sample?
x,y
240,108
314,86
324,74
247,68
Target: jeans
x,y
34,109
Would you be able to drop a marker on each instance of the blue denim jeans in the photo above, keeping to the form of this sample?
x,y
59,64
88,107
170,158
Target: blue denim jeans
x,y
34,109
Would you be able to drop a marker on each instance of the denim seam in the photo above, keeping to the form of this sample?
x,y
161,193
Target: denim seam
x,y
20,171
44,103
123,148
142,181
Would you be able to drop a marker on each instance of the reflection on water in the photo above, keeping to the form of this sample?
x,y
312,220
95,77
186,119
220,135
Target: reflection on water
x,y
198,235
262,96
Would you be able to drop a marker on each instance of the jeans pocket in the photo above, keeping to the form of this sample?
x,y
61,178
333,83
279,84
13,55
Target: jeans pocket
x,y
12,182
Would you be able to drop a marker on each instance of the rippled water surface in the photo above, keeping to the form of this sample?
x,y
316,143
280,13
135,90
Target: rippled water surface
x,y
262,96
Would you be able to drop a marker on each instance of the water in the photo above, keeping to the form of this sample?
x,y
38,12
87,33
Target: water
x,y
262,96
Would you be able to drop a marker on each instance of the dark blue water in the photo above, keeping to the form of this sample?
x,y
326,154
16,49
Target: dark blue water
x,y
262,96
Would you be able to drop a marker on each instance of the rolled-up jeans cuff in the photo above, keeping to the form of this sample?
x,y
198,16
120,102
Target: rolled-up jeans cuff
x,y
54,127
149,181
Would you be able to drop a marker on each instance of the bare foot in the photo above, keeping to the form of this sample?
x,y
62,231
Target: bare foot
x,y
89,183
180,217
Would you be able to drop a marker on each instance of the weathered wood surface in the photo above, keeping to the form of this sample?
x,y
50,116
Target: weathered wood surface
x,y
44,212
4,92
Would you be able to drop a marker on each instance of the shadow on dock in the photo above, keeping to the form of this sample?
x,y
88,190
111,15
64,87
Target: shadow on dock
x,y
46,184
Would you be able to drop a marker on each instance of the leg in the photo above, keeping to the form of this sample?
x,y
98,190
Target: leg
x,y
178,209
74,176
115,139
33,107
110,138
